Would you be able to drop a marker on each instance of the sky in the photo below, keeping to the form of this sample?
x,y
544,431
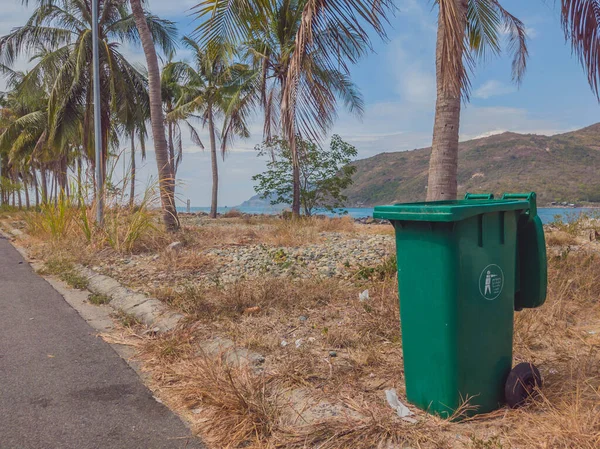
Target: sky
x,y
398,85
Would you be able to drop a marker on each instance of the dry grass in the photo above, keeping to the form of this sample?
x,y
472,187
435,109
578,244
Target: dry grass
x,y
236,407
560,238
269,230
240,408
562,338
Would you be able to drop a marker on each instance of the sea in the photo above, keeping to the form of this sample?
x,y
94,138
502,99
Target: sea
x,y
548,215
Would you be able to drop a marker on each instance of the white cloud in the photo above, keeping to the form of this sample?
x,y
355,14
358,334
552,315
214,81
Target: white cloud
x,y
493,88
415,76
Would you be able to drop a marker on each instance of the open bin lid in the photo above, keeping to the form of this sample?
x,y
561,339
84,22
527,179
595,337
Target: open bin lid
x,y
448,211
532,270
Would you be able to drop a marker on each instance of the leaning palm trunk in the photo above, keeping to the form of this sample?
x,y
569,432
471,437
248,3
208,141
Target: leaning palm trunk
x,y
443,165
165,175
213,160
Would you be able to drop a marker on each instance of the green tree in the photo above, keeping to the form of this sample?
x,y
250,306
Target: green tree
x,y
324,174
302,49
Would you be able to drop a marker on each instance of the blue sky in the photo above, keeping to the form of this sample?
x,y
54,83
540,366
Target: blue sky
x,y
398,85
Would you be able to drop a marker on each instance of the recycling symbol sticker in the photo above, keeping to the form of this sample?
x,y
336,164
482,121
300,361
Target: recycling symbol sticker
x,y
491,282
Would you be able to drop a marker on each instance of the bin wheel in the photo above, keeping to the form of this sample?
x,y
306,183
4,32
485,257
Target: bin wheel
x,y
522,384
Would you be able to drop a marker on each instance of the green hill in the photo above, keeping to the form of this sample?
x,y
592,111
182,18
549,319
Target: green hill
x,y
564,167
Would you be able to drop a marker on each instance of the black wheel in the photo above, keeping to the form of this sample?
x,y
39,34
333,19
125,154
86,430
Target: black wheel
x,y
523,382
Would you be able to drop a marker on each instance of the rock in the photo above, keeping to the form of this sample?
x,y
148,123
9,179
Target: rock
x,y
175,246
332,354
216,346
244,357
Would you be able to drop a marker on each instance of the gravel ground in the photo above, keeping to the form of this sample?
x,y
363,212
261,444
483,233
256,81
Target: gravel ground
x,y
338,255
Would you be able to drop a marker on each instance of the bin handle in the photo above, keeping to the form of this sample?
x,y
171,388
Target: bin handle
x,y
479,196
531,197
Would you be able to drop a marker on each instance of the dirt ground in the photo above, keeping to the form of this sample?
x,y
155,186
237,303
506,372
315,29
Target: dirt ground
x,y
318,354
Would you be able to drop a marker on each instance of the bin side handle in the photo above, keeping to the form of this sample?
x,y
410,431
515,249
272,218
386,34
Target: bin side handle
x,y
531,197
479,196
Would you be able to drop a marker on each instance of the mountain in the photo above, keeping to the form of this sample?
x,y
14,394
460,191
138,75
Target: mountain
x,y
256,202
564,167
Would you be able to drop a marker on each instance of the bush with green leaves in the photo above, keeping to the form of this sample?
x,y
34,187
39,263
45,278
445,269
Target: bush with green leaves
x,y
324,174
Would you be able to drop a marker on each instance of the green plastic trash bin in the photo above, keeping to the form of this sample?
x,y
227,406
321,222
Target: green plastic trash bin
x,y
463,268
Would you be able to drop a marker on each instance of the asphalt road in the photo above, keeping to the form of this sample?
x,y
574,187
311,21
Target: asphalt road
x,y
61,386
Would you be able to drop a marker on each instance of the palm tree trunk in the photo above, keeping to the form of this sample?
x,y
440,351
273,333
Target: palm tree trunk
x,y
443,164
132,191
165,175
213,160
44,185
26,190
79,184
296,178
35,187
171,147
18,188
55,188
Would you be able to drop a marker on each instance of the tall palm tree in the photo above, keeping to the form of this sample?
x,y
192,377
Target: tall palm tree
x,y
216,88
302,48
166,177
177,87
467,30
133,115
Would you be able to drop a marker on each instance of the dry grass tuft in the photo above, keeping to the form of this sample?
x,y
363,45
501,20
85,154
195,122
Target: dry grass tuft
x,y
379,429
299,232
560,238
236,407
266,295
233,213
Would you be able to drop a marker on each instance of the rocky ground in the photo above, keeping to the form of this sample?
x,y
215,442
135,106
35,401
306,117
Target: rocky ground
x,y
337,256
329,255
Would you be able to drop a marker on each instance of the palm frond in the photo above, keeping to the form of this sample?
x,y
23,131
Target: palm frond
x,y
581,24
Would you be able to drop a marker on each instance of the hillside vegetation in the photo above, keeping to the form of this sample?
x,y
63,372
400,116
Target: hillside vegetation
x,y
564,167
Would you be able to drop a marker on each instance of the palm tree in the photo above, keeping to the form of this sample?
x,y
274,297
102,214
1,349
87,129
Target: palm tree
x,y
134,115
467,30
59,35
216,88
177,87
23,139
302,49
166,177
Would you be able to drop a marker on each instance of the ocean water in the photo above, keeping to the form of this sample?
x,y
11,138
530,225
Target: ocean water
x,y
547,215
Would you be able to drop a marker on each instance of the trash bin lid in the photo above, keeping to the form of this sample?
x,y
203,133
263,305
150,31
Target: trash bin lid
x,y
447,211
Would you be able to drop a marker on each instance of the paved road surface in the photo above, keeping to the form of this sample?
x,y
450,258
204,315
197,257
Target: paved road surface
x,y
61,386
